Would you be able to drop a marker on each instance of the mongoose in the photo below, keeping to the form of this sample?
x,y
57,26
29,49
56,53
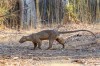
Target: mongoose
x,y
50,35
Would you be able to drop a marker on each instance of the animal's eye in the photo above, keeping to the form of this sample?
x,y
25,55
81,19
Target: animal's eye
x,y
23,38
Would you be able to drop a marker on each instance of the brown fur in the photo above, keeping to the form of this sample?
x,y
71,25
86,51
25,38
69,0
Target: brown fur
x,y
50,35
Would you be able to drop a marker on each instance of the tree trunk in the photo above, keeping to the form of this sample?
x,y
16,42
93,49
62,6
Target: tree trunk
x,y
28,14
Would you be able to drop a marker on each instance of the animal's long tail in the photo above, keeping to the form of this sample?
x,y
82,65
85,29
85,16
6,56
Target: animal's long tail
x,y
77,31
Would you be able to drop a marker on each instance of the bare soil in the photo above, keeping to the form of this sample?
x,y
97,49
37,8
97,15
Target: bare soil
x,y
81,49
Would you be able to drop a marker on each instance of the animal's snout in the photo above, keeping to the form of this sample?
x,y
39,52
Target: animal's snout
x,y
21,41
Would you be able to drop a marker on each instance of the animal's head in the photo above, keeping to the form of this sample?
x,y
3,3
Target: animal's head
x,y
23,39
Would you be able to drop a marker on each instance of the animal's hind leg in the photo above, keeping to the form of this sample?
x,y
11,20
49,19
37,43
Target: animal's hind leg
x,y
61,41
50,43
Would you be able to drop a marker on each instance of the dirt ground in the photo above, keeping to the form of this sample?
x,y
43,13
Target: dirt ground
x,y
81,49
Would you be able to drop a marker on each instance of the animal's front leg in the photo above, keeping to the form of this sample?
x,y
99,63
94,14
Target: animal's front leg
x,y
39,43
35,45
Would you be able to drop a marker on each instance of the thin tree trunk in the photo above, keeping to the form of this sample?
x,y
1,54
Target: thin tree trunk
x,y
28,14
37,10
21,12
33,14
98,11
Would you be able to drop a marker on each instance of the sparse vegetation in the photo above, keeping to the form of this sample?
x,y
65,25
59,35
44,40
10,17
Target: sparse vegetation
x,y
80,48
6,7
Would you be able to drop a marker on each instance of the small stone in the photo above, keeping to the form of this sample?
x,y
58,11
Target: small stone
x,y
15,58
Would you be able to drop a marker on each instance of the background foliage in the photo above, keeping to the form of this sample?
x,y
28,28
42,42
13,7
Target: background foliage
x,y
51,12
